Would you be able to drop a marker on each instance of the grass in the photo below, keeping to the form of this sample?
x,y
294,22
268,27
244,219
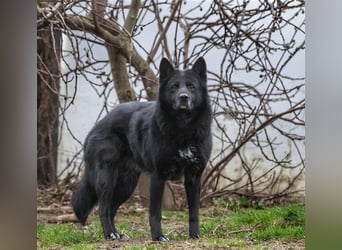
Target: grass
x,y
67,234
221,226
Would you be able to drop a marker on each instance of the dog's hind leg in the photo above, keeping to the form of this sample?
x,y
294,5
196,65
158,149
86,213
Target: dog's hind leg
x,y
106,180
124,189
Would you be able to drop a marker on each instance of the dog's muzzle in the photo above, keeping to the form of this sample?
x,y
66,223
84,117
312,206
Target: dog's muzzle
x,y
184,101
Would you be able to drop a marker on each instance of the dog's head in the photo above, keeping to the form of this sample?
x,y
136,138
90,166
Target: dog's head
x,y
183,90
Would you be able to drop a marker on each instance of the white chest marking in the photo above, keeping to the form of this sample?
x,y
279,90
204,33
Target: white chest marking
x,y
185,153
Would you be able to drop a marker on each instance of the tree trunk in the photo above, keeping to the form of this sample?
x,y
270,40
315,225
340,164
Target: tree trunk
x,y
122,86
49,47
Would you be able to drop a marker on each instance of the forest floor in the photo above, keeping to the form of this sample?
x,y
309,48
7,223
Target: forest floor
x,y
224,225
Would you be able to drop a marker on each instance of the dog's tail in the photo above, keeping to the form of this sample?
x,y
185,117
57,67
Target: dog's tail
x,y
83,200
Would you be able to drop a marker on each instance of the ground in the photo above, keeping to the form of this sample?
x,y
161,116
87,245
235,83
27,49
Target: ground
x,y
58,229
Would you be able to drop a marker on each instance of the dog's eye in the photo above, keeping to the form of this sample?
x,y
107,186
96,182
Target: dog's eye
x,y
175,86
190,86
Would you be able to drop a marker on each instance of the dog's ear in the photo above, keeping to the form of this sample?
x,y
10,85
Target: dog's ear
x,y
165,69
200,68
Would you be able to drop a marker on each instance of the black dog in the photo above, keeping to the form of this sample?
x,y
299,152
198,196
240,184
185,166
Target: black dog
x,y
169,138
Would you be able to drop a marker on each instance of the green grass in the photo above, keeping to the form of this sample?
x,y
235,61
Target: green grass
x,y
67,234
220,226
276,223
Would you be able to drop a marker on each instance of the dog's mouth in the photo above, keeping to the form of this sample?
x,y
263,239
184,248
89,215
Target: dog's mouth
x,y
184,105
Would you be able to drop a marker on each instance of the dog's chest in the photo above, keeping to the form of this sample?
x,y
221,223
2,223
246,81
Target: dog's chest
x,y
180,161
186,154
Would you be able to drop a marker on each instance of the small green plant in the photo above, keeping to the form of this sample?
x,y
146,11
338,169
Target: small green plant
x,y
132,248
245,202
151,248
241,202
295,215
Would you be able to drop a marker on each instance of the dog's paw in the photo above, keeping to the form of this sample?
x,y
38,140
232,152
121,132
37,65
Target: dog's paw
x,y
124,237
113,236
117,236
162,238
194,236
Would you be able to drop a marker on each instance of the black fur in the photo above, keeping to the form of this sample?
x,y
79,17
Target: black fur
x,y
169,138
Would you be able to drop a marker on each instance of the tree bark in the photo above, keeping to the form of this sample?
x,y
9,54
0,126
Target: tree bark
x,y
49,47
122,85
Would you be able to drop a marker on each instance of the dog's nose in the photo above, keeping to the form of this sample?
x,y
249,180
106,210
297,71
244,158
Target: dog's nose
x,y
183,96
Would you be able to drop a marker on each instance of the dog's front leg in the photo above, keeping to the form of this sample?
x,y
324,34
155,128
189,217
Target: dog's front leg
x,y
156,195
192,188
